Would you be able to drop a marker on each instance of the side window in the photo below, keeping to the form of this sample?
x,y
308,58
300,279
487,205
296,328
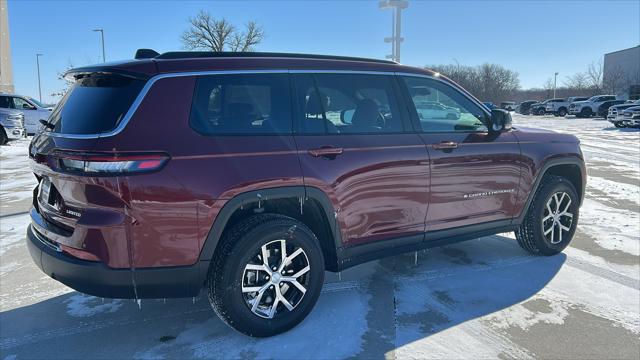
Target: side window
x,y
347,104
5,102
441,108
241,104
22,104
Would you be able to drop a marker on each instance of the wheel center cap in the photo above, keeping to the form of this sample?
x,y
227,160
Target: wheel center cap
x,y
275,278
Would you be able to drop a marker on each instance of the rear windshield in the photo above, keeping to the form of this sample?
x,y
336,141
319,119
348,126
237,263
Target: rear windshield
x,y
96,103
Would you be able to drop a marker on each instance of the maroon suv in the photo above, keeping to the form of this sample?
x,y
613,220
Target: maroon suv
x,y
252,174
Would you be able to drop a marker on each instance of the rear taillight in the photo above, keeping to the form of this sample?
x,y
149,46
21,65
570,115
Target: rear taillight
x,y
110,164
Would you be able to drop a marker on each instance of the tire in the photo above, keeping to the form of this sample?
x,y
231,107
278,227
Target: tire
x,y
541,112
562,112
3,136
618,125
241,247
531,233
586,112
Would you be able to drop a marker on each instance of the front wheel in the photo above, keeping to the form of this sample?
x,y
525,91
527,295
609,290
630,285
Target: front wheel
x,y
586,112
267,275
562,112
551,219
618,125
3,136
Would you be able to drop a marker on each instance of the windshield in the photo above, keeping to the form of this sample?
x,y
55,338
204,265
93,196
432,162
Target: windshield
x,y
37,103
95,104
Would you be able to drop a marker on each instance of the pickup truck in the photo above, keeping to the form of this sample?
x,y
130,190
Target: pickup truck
x,y
560,107
589,107
616,112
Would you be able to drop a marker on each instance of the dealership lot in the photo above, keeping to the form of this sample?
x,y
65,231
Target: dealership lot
x,y
484,297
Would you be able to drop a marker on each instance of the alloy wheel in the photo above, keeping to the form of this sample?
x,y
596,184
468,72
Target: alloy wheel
x,y
276,279
557,218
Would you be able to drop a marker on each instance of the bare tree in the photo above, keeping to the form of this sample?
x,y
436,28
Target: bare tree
x,y
210,34
489,82
594,76
67,82
577,81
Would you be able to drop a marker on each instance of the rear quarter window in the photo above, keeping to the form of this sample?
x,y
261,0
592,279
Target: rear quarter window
x,y
95,104
241,104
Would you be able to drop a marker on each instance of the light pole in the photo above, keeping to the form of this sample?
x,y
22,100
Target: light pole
x,y
555,79
102,38
396,25
39,86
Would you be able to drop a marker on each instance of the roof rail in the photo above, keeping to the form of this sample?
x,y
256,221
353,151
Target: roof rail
x,y
231,54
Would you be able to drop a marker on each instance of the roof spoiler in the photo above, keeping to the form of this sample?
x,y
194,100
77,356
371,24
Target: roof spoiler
x,y
145,54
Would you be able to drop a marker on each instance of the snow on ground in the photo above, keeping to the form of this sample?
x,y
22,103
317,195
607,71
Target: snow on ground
x,y
483,298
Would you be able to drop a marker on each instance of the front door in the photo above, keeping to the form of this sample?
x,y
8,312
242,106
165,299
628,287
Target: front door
x,y
474,172
352,145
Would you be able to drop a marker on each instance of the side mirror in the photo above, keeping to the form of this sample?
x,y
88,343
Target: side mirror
x,y
500,120
346,116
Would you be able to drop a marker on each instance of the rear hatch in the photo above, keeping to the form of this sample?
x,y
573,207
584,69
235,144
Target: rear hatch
x,y
79,191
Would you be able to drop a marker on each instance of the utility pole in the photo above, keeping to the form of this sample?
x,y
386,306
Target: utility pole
x,y
39,86
555,80
396,25
104,59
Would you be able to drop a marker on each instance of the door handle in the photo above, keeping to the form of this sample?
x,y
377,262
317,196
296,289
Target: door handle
x,y
326,151
445,145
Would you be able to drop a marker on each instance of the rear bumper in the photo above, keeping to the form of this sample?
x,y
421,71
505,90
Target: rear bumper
x,y
95,278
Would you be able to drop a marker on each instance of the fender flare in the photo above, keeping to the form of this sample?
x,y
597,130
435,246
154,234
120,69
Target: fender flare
x,y
302,192
543,170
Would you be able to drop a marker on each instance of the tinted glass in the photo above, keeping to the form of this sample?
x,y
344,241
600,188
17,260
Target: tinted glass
x,y
96,103
347,104
441,108
5,102
242,104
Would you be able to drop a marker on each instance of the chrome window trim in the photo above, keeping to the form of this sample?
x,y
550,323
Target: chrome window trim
x,y
145,90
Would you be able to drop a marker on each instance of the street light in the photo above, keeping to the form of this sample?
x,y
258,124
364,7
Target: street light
x,y
102,37
555,79
38,66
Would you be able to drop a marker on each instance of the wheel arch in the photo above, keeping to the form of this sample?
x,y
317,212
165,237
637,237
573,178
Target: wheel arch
x,y
305,204
572,169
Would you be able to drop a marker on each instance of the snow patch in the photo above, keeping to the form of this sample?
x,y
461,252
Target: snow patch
x,y
85,306
612,228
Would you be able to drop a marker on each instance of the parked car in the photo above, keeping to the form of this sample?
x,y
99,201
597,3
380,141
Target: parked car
x,y
589,107
548,106
508,105
434,110
616,112
33,110
632,117
560,107
490,105
539,108
239,174
11,125
525,107
603,109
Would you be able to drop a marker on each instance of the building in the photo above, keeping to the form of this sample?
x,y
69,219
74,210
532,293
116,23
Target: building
x,y
621,73
6,70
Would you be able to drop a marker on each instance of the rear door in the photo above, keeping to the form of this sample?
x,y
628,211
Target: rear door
x,y
352,145
474,173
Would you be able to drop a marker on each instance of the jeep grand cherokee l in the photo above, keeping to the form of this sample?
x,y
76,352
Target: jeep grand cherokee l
x,y
249,175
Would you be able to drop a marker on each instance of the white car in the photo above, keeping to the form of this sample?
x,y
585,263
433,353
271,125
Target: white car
x,y
589,107
11,125
435,110
33,110
616,112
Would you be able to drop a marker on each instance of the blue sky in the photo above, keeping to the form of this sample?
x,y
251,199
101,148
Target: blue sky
x,y
534,38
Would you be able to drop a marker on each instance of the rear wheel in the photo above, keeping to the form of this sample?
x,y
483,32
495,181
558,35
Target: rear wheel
x,y
3,136
551,219
267,275
586,112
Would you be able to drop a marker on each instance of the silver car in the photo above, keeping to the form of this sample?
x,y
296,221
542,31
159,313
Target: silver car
x,y
11,125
